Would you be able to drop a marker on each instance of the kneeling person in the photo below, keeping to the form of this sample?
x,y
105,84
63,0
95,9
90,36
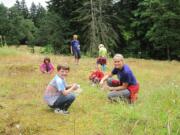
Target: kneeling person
x,y
126,86
57,94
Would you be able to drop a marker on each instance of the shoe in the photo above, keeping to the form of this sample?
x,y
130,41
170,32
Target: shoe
x,y
59,111
65,112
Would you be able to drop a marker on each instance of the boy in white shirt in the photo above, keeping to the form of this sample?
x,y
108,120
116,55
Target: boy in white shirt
x,y
58,95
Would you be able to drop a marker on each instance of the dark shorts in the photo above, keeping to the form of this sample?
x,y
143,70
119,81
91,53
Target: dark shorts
x,y
101,60
77,54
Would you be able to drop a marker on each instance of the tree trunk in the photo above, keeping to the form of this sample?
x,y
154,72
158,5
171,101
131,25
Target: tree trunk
x,y
93,39
168,52
1,40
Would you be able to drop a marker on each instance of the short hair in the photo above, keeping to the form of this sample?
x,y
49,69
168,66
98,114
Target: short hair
x,y
64,67
118,56
100,45
75,36
47,59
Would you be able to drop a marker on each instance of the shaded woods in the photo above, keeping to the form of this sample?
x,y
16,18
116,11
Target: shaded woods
x,y
145,28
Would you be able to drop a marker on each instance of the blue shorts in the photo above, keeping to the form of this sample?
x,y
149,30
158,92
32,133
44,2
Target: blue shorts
x,y
77,54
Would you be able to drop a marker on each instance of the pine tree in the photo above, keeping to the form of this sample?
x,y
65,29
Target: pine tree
x,y
24,9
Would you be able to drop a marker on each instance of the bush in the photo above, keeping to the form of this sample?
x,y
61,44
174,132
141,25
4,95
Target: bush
x,y
47,49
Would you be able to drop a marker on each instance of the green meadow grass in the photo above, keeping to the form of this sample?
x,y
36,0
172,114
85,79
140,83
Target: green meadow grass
x,y
23,112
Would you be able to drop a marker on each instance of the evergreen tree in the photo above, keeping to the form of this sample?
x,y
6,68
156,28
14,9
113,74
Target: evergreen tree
x,y
150,28
24,9
40,15
51,33
3,20
158,26
20,30
33,12
124,13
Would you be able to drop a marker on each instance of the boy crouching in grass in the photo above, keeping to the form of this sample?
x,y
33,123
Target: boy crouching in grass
x,y
57,94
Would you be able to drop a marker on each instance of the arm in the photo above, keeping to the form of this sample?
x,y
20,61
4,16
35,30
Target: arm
x,y
69,89
105,78
118,88
100,53
71,49
78,45
69,86
62,87
52,68
42,68
125,82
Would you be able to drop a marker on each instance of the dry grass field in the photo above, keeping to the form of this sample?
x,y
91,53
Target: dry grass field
x,y
23,112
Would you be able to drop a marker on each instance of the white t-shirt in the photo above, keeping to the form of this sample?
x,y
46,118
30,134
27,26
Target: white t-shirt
x,y
60,85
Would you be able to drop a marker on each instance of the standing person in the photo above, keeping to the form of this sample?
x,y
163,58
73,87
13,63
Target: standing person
x,y
102,59
58,94
75,48
47,66
126,86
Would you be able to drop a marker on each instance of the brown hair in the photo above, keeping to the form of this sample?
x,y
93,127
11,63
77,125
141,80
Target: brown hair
x,y
47,59
64,67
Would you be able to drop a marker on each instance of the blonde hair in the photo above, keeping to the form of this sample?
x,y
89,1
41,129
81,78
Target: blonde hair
x,y
75,36
118,56
100,45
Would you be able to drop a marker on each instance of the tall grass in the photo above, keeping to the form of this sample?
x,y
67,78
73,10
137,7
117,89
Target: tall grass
x,y
22,110
7,51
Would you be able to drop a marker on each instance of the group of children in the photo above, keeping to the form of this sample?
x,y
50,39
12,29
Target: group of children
x,y
59,95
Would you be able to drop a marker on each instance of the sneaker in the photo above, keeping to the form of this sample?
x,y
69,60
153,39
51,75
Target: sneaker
x,y
65,112
59,111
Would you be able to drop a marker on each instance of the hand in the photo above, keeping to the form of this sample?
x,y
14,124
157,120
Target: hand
x,y
44,72
101,83
75,86
108,88
111,89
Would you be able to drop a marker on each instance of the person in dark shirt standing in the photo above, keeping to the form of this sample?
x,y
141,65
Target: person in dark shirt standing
x,y
126,86
75,48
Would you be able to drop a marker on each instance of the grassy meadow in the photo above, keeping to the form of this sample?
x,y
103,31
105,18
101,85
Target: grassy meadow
x,y
23,112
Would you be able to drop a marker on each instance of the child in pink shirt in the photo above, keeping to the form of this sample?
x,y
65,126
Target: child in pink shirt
x,y
47,66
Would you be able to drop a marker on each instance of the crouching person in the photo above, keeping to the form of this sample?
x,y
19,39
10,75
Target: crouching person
x,y
96,76
126,87
58,95
47,66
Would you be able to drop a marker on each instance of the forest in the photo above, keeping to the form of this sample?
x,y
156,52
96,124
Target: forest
x,y
147,29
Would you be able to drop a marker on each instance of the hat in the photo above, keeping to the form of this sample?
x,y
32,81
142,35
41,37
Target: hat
x,y
101,45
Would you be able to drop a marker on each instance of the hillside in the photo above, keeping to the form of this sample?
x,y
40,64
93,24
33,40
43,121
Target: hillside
x,y
23,112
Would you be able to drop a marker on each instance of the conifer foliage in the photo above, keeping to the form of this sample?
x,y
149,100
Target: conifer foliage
x,y
145,28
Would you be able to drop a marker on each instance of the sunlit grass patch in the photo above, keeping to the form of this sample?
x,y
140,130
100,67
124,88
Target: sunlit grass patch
x,y
23,111
8,51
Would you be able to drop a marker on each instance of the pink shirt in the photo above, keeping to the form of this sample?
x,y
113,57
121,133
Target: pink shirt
x,y
49,68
